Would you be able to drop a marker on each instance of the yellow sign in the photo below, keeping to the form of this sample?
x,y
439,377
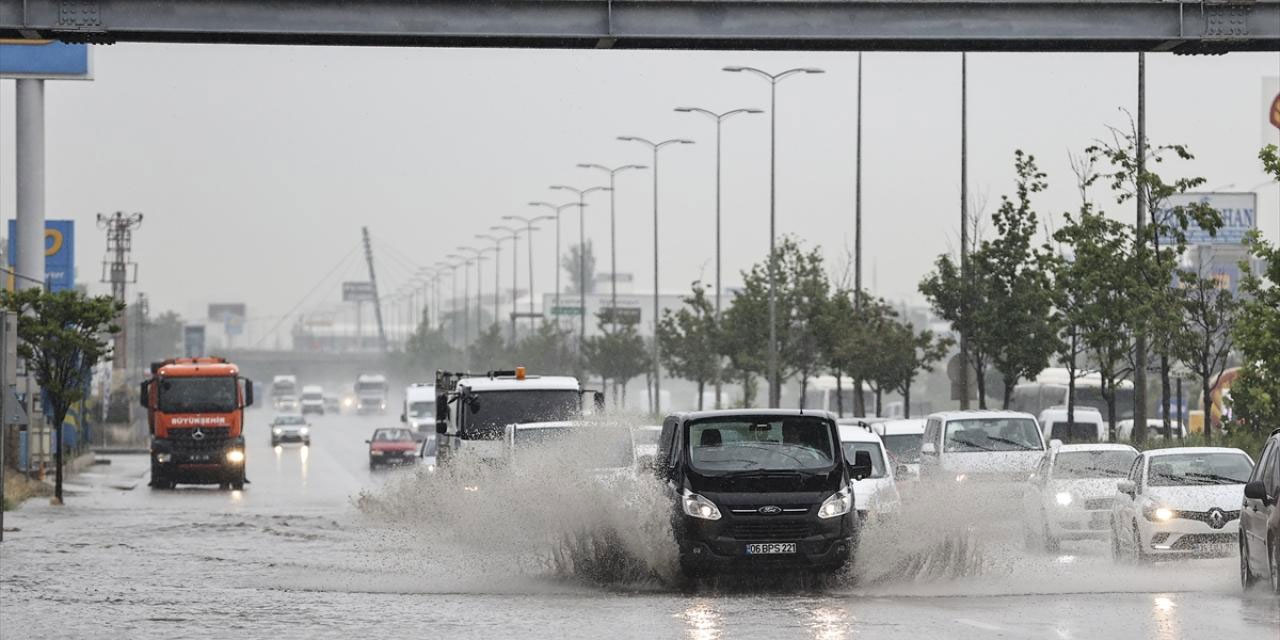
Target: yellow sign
x,y
1275,112
52,241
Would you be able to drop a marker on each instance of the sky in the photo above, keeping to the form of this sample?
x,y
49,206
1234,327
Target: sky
x,y
257,166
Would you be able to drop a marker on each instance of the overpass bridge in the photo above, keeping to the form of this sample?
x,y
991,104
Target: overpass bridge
x,y
930,25
310,366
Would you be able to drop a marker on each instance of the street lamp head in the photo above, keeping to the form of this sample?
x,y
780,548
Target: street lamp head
x,y
813,70
682,141
752,110
631,139
541,218
735,69
688,109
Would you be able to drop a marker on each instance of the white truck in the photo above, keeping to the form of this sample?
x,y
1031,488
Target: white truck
x,y
371,393
419,412
473,410
312,399
283,386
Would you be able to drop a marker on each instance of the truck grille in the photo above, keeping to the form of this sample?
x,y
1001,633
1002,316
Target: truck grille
x,y
214,438
771,530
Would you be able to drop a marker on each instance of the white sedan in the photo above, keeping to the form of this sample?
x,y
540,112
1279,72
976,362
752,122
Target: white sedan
x,y
1180,502
1072,491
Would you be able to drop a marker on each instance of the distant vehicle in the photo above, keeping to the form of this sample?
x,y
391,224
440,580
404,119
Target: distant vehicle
x,y
287,404
473,410
1086,425
312,399
1155,429
1050,390
981,446
290,428
419,410
1260,520
195,411
284,385
876,494
391,447
371,393
332,403
759,489
1072,491
1179,502
902,438
608,452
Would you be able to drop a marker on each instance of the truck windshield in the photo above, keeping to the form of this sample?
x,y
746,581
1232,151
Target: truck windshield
x,y
198,395
756,444
422,409
371,387
489,412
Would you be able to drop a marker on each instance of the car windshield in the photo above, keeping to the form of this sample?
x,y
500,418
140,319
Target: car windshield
x,y
851,450
392,435
421,409
591,448
290,420
1182,469
198,395
488,412
992,434
904,448
760,444
1074,465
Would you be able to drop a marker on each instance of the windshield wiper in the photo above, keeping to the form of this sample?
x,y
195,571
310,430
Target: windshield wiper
x,y
971,445
1215,478
1015,443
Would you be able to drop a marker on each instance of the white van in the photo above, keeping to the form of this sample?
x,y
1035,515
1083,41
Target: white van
x,y
1087,425
876,494
978,446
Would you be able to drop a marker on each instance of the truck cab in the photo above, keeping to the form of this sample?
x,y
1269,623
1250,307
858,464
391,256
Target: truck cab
x,y
195,411
419,412
473,410
371,393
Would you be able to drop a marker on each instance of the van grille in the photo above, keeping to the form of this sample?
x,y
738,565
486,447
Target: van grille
x,y
771,530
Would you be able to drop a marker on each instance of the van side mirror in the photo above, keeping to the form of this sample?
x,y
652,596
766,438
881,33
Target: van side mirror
x,y
248,392
1055,443
901,471
861,467
1127,487
142,394
1256,490
442,414
404,418
928,449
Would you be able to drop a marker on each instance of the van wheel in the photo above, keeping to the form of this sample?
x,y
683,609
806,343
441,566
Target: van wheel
x,y
1247,579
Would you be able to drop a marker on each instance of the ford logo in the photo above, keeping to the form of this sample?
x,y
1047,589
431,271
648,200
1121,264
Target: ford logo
x,y
769,510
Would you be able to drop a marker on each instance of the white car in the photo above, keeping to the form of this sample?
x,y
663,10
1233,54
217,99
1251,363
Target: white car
x,y
1180,501
902,440
1072,492
981,446
290,428
606,453
877,494
288,404
1086,425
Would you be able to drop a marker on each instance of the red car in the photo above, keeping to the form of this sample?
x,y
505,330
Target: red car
x,y
392,446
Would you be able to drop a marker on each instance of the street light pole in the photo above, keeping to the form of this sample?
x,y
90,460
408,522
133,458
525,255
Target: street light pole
x,y
497,263
557,208
453,302
775,387
613,233
528,224
655,147
582,253
514,233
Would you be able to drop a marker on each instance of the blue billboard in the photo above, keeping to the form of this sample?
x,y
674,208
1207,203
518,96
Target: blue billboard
x,y
44,59
59,252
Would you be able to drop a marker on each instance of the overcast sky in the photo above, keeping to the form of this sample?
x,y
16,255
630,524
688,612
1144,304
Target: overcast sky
x,y
257,166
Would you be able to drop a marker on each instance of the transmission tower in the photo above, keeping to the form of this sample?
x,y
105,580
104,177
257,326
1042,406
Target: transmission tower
x,y
120,271
373,284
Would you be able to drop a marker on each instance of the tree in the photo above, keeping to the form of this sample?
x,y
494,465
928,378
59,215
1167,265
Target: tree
x,y
839,325
547,350
62,336
744,335
912,353
576,270
1208,310
617,356
1255,395
868,346
689,340
428,349
489,351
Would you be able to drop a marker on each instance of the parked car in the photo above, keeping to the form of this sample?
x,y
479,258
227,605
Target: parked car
x,y
902,439
1086,425
392,446
876,494
1181,501
1260,520
290,428
1072,491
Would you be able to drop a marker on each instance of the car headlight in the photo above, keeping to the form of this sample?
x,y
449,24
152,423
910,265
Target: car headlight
x,y
276,430
961,477
697,506
304,431
838,504
1063,498
375,453
1160,514
235,456
163,457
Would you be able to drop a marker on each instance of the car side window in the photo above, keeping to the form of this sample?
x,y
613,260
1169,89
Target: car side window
x,y
673,445
1270,466
1135,469
1263,470
1141,471
931,431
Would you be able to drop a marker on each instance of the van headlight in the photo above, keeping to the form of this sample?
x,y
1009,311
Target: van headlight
x,y
235,456
1063,498
304,431
276,430
697,506
838,504
162,458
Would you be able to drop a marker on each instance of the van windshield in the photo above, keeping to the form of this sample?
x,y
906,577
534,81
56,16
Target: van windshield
x,y
760,444
992,434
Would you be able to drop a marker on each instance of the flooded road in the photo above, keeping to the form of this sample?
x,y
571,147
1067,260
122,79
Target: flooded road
x,y
294,556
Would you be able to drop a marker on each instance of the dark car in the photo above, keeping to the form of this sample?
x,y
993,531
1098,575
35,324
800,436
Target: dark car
x,y
759,490
1260,520
392,446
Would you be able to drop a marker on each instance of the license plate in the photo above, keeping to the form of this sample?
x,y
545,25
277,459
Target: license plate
x,y
771,548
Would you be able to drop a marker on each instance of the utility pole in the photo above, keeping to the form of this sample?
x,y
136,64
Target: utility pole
x,y
1140,336
964,229
142,309
373,284
119,271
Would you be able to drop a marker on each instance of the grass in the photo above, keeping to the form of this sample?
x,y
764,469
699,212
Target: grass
x,y
18,487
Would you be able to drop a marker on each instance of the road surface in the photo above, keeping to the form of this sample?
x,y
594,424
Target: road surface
x,y
320,547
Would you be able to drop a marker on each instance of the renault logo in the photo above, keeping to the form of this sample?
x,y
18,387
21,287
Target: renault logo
x,y
1217,519
769,510
198,434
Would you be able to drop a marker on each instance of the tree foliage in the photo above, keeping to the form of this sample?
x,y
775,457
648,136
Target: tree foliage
x,y
616,356
575,270
689,340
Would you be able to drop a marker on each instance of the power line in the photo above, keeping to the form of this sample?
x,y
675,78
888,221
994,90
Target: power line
x,y
324,279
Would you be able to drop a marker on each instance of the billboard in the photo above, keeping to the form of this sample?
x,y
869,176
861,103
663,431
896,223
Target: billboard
x,y
230,314
1239,213
59,252
357,292
45,59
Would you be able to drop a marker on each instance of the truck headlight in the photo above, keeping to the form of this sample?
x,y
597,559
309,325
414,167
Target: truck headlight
x,y
1063,498
697,506
163,457
276,431
837,504
235,456
304,431
375,453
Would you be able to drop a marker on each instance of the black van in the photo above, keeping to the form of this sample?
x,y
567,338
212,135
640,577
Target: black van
x,y
759,489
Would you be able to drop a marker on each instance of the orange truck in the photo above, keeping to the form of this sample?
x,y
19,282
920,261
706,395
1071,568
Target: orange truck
x,y
195,410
